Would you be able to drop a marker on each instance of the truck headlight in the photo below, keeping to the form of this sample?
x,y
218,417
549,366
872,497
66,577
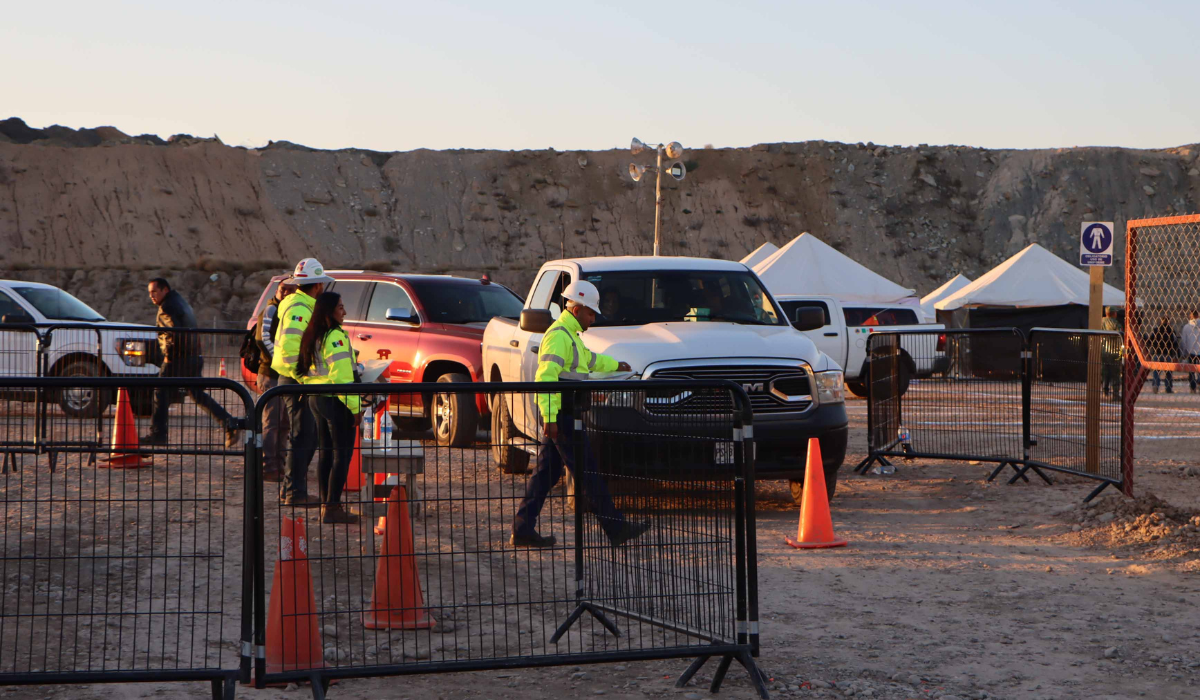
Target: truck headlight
x,y
830,386
132,352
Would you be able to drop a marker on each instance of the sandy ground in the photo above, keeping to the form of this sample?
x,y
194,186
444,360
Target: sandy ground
x,y
951,587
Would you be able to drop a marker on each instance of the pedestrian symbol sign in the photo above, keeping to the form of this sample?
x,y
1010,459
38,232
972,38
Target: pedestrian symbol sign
x,y
1096,243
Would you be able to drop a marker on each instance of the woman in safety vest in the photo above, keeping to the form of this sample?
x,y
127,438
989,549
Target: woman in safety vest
x,y
326,357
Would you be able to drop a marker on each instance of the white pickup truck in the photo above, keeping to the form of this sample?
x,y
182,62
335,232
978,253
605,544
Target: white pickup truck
x,y
89,346
681,318
848,328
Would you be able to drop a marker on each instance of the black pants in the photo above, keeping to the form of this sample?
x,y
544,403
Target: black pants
x,y
192,367
302,442
335,437
553,457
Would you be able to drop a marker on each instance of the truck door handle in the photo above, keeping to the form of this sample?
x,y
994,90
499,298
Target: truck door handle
x,y
533,349
514,343
831,335
364,336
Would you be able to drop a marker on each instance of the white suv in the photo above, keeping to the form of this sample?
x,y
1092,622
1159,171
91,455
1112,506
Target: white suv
x,y
79,342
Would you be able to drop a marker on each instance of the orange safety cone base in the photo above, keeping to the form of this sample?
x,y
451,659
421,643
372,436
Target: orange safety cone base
x,y
816,524
124,461
293,639
397,602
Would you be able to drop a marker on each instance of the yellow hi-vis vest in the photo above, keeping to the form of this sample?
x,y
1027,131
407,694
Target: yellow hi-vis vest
x,y
564,356
335,365
293,315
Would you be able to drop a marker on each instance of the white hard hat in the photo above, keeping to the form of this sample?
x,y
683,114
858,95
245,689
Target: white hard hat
x,y
583,292
309,271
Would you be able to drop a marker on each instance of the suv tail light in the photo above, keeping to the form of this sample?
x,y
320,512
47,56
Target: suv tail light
x,y
941,344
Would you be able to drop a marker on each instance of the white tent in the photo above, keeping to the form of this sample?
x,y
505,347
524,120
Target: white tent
x,y
927,301
1033,277
760,253
808,266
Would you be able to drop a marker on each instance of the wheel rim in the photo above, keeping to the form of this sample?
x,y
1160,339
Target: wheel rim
x,y
78,399
442,415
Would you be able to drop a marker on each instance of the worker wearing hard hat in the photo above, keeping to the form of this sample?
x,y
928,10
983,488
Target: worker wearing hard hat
x,y
563,356
293,315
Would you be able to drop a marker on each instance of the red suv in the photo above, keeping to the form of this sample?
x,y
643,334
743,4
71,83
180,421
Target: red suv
x,y
434,334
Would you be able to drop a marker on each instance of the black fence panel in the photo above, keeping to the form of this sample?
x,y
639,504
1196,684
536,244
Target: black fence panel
x,y
424,562
945,393
123,562
994,395
1061,361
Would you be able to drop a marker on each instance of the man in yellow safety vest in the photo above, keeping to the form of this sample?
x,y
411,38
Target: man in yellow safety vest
x,y
563,356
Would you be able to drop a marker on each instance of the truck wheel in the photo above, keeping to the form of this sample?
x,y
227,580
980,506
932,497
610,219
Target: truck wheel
x,y
831,477
454,416
511,460
80,402
857,388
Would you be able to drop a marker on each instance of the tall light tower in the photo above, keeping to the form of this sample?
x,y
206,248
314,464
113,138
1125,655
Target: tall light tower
x,y
673,151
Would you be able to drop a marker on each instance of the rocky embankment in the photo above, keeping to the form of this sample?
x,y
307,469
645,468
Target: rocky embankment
x,y
99,212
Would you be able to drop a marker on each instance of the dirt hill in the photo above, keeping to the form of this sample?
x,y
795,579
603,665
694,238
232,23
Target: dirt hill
x,y
99,212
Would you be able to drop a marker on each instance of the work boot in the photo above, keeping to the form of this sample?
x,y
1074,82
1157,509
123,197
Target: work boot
x,y
534,540
304,501
629,531
153,439
336,514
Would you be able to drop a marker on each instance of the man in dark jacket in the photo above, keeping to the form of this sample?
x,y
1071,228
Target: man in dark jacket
x,y
180,357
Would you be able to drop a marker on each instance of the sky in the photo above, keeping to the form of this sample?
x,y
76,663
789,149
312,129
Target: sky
x,y
590,75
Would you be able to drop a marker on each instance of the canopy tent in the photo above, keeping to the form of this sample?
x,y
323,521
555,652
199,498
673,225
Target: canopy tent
x,y
807,266
956,283
760,253
1035,277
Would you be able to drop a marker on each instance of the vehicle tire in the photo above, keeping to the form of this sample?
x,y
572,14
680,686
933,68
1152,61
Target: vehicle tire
x,y
831,477
857,388
455,417
83,403
511,460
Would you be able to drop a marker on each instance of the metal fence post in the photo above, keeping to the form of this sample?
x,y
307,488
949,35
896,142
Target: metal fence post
x,y
1027,370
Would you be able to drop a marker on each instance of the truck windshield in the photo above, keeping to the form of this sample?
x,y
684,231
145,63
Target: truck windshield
x,y
57,305
459,302
636,298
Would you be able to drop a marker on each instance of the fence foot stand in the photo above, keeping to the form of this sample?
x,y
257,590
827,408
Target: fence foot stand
x,y
864,465
578,613
230,688
756,676
1039,472
692,670
1096,491
1020,473
320,687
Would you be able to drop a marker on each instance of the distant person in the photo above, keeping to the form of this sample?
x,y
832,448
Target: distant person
x,y
1111,357
1189,344
1163,348
294,313
610,303
181,357
326,357
274,415
564,356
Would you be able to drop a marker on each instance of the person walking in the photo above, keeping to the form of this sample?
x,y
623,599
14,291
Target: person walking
x,y
1163,348
274,416
326,357
564,356
181,356
1112,352
1189,344
294,313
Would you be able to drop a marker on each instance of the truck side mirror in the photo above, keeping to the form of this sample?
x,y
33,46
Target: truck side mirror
x,y
401,316
808,318
17,318
535,320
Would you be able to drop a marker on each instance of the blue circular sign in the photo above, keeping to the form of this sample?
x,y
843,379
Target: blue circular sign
x,y
1097,238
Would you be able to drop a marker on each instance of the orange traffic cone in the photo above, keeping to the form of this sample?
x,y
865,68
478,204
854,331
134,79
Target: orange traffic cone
x,y
222,371
397,603
354,478
124,438
816,525
293,639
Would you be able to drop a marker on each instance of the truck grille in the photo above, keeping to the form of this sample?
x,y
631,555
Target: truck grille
x,y
769,389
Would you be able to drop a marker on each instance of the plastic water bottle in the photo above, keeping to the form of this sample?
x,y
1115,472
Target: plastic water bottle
x,y
368,424
385,430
